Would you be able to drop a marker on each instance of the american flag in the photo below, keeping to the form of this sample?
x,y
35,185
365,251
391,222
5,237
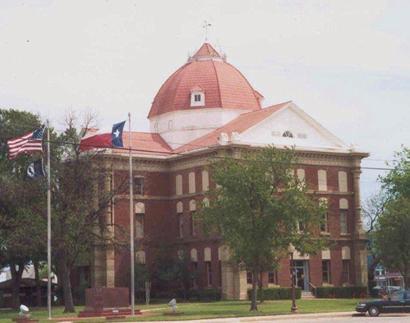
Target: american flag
x,y
30,142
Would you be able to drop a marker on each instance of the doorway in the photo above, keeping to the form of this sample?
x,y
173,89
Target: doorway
x,y
301,268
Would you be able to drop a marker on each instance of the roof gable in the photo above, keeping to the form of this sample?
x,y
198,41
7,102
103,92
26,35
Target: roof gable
x,y
238,125
302,130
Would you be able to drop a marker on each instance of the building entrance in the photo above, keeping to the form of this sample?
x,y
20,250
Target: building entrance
x,y
301,268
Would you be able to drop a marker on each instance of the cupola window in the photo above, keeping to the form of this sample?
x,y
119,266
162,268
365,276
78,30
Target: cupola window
x,y
197,97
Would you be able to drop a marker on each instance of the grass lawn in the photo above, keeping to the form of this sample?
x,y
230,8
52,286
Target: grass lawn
x,y
212,310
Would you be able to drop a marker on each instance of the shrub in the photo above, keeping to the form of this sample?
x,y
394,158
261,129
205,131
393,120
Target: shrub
x,y
277,293
205,294
208,294
341,292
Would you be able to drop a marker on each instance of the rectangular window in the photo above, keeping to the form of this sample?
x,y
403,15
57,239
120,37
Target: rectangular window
x,y
326,271
342,179
208,268
205,180
191,182
193,224
324,227
300,172
180,225
272,277
322,180
194,274
178,184
138,186
249,277
343,222
197,98
220,273
139,226
346,271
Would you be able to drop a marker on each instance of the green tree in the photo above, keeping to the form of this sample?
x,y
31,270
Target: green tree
x,y
391,235
22,201
171,273
79,204
258,207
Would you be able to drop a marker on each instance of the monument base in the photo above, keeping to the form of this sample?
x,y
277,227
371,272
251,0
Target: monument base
x,y
106,302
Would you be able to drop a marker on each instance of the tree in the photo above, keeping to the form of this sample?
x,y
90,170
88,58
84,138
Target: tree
x,y
259,207
173,274
22,201
80,200
372,209
391,236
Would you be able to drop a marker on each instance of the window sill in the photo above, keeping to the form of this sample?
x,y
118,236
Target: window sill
x,y
345,234
325,233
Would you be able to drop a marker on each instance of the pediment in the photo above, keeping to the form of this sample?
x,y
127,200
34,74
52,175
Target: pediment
x,y
291,126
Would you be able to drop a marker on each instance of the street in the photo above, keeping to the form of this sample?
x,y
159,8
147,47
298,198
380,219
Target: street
x,y
380,319
309,318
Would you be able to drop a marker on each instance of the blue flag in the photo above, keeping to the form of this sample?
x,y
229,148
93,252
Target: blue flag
x,y
36,169
116,134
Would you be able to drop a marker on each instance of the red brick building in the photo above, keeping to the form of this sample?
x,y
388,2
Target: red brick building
x,y
205,109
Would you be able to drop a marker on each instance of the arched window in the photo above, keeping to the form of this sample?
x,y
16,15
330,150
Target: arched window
x,y
345,264
208,266
180,207
180,219
205,202
181,254
194,255
140,257
287,134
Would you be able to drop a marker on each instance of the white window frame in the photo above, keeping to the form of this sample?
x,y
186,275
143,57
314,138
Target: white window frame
x,y
195,103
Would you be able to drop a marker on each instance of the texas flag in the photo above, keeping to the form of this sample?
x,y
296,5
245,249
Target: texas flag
x,y
92,140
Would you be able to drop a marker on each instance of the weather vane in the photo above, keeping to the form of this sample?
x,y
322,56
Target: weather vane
x,y
206,25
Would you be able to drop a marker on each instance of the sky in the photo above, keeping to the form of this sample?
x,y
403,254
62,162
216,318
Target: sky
x,y
344,62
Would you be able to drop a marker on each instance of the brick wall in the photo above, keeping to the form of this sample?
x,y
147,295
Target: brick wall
x,y
161,223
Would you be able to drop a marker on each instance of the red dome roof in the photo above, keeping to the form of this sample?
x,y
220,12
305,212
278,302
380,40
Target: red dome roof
x,y
224,86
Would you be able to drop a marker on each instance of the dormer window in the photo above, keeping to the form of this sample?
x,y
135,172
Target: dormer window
x,y
197,97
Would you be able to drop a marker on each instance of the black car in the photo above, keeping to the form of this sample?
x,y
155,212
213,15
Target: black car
x,y
397,302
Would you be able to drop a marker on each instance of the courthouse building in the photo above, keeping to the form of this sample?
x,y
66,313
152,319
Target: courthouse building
x,y
208,108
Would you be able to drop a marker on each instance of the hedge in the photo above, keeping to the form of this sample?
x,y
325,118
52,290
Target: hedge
x,y
341,292
276,293
204,294
208,294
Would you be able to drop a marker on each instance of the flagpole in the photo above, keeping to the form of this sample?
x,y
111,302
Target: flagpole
x,y
48,223
131,221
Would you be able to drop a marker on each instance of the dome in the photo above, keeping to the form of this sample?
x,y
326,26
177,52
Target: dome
x,y
207,71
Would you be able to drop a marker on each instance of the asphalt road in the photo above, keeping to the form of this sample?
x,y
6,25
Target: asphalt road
x,y
337,318
380,319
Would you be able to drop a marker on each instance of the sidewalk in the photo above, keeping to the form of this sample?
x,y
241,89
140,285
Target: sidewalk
x,y
267,317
